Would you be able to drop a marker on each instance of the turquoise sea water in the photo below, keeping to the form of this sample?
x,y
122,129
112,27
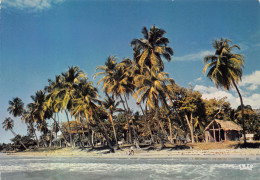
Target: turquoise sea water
x,y
73,168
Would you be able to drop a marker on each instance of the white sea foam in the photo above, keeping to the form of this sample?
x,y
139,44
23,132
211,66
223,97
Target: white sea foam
x,y
153,169
96,167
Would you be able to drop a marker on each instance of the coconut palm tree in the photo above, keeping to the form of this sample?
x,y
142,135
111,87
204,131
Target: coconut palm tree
x,y
38,105
148,50
63,88
85,93
116,81
70,80
112,106
225,69
85,102
16,107
28,117
53,101
85,105
8,124
38,112
150,90
107,72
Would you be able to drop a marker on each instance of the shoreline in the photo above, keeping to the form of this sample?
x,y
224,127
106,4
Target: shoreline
x,y
143,154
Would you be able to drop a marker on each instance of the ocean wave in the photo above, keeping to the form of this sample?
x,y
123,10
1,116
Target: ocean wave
x,y
150,169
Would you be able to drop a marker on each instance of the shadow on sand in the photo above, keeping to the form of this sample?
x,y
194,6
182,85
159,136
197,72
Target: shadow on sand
x,y
247,145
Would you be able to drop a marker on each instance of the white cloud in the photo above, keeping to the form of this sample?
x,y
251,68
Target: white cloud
x,y
193,57
198,79
213,92
252,87
36,5
253,100
252,81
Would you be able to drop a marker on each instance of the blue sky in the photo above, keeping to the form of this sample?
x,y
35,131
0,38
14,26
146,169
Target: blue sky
x,y
41,38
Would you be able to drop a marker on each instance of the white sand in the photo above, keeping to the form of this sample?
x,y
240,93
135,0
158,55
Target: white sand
x,y
216,153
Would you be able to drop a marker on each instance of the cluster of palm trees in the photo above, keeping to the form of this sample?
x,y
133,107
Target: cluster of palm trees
x,y
166,108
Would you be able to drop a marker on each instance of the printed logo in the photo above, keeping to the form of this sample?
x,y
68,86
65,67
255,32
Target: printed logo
x,y
246,167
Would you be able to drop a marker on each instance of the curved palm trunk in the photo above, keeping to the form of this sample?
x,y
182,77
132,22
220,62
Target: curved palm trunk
x,y
160,138
71,140
20,141
148,124
242,111
90,141
54,119
127,120
44,140
50,139
170,129
161,125
135,135
77,129
163,130
159,128
82,135
34,132
105,134
112,122
174,109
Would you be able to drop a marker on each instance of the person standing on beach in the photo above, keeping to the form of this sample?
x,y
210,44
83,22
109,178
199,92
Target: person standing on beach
x,y
131,150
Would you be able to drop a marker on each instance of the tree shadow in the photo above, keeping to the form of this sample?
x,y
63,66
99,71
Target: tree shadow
x,y
144,145
180,147
253,145
103,149
157,148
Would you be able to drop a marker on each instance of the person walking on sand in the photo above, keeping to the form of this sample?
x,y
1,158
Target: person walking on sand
x,y
131,150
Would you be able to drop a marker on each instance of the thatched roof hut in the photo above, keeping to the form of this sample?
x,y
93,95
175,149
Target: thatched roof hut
x,y
219,130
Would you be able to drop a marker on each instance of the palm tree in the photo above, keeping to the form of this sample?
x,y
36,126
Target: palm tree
x,y
148,50
38,111
53,101
116,81
8,124
107,72
85,93
85,102
16,107
112,106
146,121
70,79
150,90
28,117
225,69
38,105
63,88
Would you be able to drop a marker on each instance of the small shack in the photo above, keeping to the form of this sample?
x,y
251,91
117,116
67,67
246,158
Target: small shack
x,y
219,130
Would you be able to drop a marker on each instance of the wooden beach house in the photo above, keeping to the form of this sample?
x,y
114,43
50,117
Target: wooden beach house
x,y
221,130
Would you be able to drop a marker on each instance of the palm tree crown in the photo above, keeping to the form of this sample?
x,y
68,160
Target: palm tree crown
x,y
151,88
8,124
148,50
16,107
225,67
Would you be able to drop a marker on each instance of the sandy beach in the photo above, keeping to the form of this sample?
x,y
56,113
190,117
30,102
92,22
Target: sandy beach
x,y
147,152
